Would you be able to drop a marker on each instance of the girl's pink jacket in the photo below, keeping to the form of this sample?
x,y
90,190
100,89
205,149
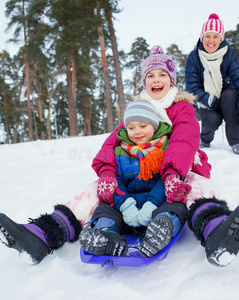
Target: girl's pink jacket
x,y
182,153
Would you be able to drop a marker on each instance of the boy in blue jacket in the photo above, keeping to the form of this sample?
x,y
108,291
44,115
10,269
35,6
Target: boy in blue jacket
x,y
143,142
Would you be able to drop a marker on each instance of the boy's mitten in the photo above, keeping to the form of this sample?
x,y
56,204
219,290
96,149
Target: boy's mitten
x,y
175,189
130,212
145,213
107,186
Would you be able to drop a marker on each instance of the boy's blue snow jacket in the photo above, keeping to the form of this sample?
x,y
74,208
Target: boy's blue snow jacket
x,y
128,168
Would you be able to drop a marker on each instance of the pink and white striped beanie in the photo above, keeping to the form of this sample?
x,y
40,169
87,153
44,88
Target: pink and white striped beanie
x,y
214,24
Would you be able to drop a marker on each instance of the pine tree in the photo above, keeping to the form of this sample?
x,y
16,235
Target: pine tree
x,y
232,37
139,52
108,99
110,8
10,87
16,10
180,59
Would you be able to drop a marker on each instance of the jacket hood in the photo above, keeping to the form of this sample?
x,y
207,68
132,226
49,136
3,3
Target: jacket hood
x,y
185,96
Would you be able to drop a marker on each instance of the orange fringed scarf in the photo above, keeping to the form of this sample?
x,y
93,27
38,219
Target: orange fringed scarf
x,y
150,156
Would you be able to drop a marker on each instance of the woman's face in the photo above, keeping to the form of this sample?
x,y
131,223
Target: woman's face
x,y
157,84
211,42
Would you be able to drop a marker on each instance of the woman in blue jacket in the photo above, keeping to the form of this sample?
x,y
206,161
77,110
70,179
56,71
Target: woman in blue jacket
x,y
212,73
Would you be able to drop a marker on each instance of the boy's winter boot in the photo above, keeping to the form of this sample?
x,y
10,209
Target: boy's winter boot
x,y
166,223
103,239
158,234
40,236
217,228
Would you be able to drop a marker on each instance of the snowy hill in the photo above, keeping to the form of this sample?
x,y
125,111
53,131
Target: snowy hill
x,y
37,175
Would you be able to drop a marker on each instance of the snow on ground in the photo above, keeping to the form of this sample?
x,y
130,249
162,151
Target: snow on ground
x,y
37,175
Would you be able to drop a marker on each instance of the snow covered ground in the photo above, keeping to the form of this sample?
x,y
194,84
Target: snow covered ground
x,y
37,175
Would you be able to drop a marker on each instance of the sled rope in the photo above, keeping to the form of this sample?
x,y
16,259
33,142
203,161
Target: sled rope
x,y
108,260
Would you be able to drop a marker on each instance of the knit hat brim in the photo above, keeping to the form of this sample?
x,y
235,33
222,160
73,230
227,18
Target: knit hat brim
x,y
141,111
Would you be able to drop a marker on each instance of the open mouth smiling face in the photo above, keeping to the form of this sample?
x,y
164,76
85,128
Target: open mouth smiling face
x,y
157,84
211,42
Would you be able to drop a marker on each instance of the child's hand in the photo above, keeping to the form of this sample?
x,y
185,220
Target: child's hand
x,y
145,213
130,212
175,189
107,186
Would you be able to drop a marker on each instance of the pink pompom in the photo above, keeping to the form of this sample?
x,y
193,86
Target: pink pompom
x,y
213,16
156,50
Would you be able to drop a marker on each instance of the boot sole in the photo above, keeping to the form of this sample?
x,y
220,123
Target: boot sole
x,y
95,242
225,249
157,236
18,237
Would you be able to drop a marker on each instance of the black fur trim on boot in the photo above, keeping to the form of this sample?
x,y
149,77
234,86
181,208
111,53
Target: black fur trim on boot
x,y
71,217
204,216
53,231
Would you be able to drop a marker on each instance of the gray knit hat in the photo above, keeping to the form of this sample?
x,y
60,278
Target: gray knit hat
x,y
141,111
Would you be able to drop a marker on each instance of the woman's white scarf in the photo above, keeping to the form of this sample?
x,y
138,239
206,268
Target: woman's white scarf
x,y
163,104
212,74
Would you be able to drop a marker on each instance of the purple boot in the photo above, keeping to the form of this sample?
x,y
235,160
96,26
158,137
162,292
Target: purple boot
x,y
218,229
42,235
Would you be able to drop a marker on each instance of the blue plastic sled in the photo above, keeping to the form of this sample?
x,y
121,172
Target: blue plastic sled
x,y
132,259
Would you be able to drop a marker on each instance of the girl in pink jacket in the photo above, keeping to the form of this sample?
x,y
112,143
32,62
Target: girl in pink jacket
x,y
209,218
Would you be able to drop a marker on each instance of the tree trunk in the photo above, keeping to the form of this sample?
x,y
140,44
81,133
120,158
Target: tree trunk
x,y
69,97
49,121
110,121
71,106
15,133
27,78
39,103
35,125
120,89
86,116
74,95
5,112
41,116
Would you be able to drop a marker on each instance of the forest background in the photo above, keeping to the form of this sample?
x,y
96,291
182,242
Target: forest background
x,y
67,76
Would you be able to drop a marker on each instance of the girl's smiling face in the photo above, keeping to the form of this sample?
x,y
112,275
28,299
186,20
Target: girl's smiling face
x,y
140,133
157,84
211,42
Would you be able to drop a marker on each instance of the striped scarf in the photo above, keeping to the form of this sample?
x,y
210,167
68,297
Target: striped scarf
x,y
150,156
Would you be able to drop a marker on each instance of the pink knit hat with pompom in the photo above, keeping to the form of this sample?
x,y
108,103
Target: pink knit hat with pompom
x,y
214,24
157,60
